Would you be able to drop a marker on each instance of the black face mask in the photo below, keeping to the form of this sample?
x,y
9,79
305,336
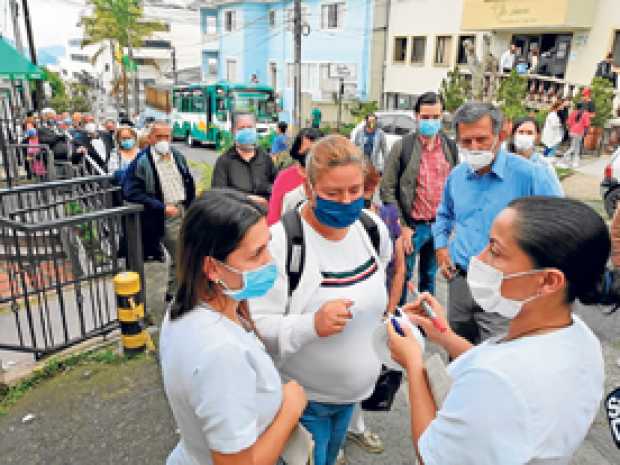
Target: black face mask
x,y
367,204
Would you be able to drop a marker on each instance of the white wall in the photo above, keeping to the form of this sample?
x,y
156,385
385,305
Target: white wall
x,y
430,18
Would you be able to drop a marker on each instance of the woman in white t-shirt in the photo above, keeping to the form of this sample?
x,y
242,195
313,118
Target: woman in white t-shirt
x,y
531,395
320,334
225,393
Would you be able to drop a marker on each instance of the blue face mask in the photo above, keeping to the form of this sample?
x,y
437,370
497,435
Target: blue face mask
x,y
336,214
31,132
256,283
246,136
127,144
68,121
429,127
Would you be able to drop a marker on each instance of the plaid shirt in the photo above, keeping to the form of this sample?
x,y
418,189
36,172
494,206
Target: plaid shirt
x,y
434,170
170,180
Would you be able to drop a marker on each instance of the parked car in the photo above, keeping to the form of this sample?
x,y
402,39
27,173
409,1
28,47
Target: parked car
x,y
394,123
610,186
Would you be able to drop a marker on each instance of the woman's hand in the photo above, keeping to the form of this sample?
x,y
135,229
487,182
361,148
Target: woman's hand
x,y
406,350
294,398
418,317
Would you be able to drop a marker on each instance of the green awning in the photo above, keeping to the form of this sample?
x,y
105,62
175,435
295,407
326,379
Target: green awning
x,y
15,66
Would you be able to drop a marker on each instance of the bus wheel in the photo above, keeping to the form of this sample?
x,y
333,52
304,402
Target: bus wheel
x,y
191,141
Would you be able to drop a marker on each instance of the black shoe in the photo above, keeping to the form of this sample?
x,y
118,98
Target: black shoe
x,y
168,298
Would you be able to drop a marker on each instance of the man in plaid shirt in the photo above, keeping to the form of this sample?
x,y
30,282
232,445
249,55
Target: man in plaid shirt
x,y
414,177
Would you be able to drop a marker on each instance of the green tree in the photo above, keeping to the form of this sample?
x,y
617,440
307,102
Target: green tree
x,y
453,90
56,83
360,109
602,96
511,96
119,23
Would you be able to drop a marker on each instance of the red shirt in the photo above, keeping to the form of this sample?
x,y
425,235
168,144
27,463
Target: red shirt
x,y
576,126
286,181
434,170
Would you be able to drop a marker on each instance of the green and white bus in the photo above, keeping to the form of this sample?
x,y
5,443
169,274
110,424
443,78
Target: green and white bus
x,y
201,114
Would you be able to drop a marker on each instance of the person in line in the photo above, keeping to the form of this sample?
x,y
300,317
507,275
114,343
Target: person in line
x,y
475,192
525,133
396,270
92,146
578,124
290,180
372,142
107,135
319,332
280,141
160,179
606,70
507,60
553,131
125,151
225,393
316,117
531,394
245,166
414,178
49,134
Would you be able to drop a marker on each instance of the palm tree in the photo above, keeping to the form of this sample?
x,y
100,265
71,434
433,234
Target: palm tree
x,y
119,23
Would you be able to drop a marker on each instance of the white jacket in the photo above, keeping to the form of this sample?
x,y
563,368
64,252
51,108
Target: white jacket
x,y
553,132
281,324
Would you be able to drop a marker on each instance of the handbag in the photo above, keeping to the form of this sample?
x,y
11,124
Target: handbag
x,y
299,449
387,386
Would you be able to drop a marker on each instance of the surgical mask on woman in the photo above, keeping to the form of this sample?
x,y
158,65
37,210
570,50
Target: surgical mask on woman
x,y
128,144
485,283
338,214
255,283
524,142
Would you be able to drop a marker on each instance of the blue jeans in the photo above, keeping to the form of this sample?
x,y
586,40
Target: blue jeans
x,y
550,151
328,425
422,243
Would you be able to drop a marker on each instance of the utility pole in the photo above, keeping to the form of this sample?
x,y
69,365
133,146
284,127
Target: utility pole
x,y
136,82
174,66
340,94
386,31
297,66
14,7
33,54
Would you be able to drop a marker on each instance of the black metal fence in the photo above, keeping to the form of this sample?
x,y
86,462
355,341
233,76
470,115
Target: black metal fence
x,y
61,243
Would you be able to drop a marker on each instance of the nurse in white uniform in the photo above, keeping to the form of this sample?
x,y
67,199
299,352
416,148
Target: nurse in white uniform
x,y
531,395
225,393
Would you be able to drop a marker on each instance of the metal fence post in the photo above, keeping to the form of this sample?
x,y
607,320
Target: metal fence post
x,y
135,256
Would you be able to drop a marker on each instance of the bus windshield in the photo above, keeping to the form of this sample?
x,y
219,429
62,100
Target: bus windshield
x,y
261,103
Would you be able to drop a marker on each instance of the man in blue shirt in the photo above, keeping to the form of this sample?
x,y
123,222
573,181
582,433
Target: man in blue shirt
x,y
475,192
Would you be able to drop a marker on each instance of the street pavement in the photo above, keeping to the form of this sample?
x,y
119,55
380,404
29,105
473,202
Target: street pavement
x,y
118,414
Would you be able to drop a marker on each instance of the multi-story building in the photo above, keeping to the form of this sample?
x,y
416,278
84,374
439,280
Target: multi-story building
x,y
253,40
569,37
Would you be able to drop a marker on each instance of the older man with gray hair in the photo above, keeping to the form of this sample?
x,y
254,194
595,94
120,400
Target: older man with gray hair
x,y
475,192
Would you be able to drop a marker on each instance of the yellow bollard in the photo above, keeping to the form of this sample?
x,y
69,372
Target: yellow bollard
x,y
130,313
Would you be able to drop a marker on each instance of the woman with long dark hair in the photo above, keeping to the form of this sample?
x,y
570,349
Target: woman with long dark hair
x,y
225,393
530,395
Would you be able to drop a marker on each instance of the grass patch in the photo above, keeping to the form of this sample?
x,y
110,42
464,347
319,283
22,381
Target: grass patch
x,y
53,367
206,175
563,173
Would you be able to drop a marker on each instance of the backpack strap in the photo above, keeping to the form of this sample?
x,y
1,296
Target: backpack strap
x,y
295,248
372,230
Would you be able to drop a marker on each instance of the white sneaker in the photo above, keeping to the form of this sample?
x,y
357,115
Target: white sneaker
x,y
341,459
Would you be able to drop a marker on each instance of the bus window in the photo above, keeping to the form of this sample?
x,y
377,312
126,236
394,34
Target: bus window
x,y
198,102
186,105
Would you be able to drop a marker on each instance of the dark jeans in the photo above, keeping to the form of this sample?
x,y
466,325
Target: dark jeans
x,y
422,243
466,318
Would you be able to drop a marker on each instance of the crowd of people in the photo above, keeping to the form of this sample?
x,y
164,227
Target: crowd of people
x,y
281,273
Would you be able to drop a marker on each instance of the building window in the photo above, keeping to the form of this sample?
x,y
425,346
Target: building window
x,y
272,18
229,21
442,50
616,49
332,16
75,42
231,70
212,67
153,43
211,25
418,50
462,57
400,49
79,58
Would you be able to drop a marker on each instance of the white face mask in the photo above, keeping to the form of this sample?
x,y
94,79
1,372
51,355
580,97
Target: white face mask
x,y
162,147
524,142
477,159
485,283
